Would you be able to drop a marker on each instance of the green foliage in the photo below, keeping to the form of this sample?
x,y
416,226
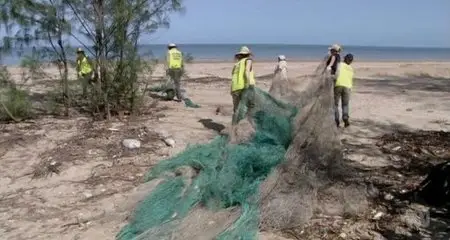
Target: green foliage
x,y
15,103
112,27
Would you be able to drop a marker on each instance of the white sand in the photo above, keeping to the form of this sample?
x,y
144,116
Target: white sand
x,y
386,95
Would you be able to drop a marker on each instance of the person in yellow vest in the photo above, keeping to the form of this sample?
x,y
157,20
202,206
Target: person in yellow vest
x,y
243,78
175,68
84,70
342,89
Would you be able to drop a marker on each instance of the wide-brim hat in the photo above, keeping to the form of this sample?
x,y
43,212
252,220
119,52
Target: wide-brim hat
x,y
244,51
336,47
282,57
172,45
80,50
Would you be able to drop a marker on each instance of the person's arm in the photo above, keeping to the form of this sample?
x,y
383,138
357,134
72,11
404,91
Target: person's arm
x,y
166,64
333,59
277,67
78,68
248,68
338,69
182,61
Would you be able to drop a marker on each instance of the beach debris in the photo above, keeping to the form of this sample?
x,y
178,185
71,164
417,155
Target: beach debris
x,y
402,231
162,133
416,216
45,168
131,143
378,216
388,197
169,142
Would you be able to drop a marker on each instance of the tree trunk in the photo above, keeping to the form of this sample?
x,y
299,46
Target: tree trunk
x,y
66,93
100,54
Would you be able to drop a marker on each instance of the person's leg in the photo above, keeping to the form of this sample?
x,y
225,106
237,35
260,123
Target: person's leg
x,y
84,83
177,82
337,97
345,105
251,103
236,100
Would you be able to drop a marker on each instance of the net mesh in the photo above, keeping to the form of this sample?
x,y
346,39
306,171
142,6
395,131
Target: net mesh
x,y
263,175
167,88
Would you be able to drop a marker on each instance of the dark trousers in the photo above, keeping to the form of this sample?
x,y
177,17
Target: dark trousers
x,y
175,75
341,94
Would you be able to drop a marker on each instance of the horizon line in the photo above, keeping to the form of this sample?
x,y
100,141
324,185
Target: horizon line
x,y
303,44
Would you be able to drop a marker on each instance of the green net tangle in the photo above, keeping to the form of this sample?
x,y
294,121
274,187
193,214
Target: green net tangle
x,y
226,175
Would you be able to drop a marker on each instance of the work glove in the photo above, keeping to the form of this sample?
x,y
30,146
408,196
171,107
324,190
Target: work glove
x,y
329,68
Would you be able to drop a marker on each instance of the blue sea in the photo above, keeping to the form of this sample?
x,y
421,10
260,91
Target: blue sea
x,y
269,52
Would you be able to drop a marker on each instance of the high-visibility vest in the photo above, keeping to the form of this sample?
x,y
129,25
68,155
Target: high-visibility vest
x,y
84,66
238,81
345,78
175,59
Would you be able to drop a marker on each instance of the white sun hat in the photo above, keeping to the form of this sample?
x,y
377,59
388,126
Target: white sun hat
x,y
281,57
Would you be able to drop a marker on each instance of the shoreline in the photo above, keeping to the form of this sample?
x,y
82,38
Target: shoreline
x,y
299,60
268,61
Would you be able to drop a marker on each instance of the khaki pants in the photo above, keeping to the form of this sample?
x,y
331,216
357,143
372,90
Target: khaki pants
x,y
175,75
341,94
86,79
247,95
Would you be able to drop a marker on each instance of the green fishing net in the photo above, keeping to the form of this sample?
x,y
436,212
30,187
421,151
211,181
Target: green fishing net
x,y
223,177
168,89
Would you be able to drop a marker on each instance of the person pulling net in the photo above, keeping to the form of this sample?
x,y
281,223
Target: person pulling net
x,y
280,82
220,190
174,72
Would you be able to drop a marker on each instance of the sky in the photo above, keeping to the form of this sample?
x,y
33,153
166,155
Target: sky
x,y
406,23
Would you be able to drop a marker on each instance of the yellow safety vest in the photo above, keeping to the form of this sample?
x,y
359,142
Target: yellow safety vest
x,y
175,59
238,81
345,78
84,66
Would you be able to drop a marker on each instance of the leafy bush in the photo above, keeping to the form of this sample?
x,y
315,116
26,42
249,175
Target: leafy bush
x,y
15,103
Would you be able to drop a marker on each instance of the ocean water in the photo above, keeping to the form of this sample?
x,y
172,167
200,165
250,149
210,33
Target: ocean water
x,y
269,52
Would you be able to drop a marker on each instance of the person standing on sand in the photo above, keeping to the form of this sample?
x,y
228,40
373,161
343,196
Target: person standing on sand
x,y
342,89
333,60
175,68
281,68
280,81
243,80
84,70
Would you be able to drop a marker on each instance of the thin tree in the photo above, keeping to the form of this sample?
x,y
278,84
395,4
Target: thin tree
x,y
112,27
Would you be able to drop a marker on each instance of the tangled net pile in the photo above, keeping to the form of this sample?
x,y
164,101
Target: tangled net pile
x,y
266,179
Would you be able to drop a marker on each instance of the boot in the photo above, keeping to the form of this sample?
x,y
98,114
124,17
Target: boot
x,y
337,123
346,123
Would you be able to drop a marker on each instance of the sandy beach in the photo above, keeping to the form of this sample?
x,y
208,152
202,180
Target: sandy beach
x,y
100,182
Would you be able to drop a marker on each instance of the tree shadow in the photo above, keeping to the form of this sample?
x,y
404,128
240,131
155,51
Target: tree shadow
x,y
210,124
158,96
217,79
208,80
387,84
408,156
